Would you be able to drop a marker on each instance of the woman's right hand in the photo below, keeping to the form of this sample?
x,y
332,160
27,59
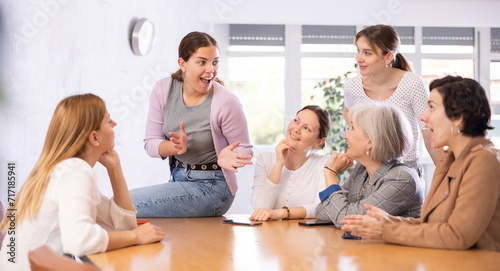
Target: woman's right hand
x,y
281,150
338,162
110,159
179,140
148,233
262,214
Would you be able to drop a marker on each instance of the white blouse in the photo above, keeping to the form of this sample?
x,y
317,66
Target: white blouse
x,y
297,188
74,217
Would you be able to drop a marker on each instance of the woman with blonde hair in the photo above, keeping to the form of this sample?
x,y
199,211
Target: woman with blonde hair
x,y
60,205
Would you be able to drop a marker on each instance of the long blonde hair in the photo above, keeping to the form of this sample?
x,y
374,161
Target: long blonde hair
x,y
75,117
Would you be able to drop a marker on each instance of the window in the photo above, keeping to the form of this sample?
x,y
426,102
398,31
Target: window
x,y
495,102
260,58
447,51
495,40
256,74
437,68
259,82
327,52
328,38
407,39
256,38
448,40
273,68
316,69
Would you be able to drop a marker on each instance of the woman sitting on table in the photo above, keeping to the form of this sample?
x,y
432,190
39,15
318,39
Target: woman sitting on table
x,y
378,136
60,205
287,183
200,125
462,208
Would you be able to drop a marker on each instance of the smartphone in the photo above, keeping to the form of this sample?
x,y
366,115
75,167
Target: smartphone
x,y
348,235
230,221
316,223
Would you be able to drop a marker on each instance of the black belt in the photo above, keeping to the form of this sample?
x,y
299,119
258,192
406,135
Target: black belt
x,y
209,166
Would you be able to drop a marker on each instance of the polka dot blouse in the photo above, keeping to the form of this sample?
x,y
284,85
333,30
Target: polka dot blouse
x,y
410,97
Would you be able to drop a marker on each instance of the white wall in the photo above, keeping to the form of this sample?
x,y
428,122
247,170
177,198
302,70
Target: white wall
x,y
354,12
55,48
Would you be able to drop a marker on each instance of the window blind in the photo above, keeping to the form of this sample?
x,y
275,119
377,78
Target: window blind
x,y
406,34
448,36
257,35
328,34
495,40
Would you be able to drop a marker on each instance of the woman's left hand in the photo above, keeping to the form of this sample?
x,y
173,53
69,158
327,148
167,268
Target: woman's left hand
x,y
231,160
265,214
110,159
366,226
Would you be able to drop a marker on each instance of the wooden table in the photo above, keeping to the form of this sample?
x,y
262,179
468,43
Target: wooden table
x,y
207,244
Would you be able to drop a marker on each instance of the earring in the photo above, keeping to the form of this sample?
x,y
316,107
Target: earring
x,y
458,130
97,143
368,152
386,65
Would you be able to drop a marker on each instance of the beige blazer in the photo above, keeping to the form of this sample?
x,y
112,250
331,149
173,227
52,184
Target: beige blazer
x,y
462,208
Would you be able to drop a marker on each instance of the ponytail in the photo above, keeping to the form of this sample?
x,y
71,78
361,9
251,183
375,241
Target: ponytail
x,y
401,63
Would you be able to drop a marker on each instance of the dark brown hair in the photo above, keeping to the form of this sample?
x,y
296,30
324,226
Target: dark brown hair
x,y
323,119
386,38
465,98
189,45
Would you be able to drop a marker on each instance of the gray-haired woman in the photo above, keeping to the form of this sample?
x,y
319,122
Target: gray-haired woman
x,y
377,137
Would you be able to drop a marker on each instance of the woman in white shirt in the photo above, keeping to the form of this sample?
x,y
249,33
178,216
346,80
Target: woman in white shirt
x,y
60,204
287,183
386,77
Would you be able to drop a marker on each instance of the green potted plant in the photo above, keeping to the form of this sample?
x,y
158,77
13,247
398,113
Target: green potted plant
x,y
334,99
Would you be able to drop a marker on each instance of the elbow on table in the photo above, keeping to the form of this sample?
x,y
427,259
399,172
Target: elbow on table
x,y
452,242
460,244
80,249
86,244
321,213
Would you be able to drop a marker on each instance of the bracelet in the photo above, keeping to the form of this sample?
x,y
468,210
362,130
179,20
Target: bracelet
x,y
336,173
287,212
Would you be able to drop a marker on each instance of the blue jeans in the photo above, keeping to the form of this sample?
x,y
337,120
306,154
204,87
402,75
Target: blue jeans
x,y
189,193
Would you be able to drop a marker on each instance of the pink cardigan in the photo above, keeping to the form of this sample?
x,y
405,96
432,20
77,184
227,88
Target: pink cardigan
x,y
227,121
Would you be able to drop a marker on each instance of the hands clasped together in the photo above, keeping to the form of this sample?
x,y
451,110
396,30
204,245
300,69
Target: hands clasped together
x,y
338,162
369,225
